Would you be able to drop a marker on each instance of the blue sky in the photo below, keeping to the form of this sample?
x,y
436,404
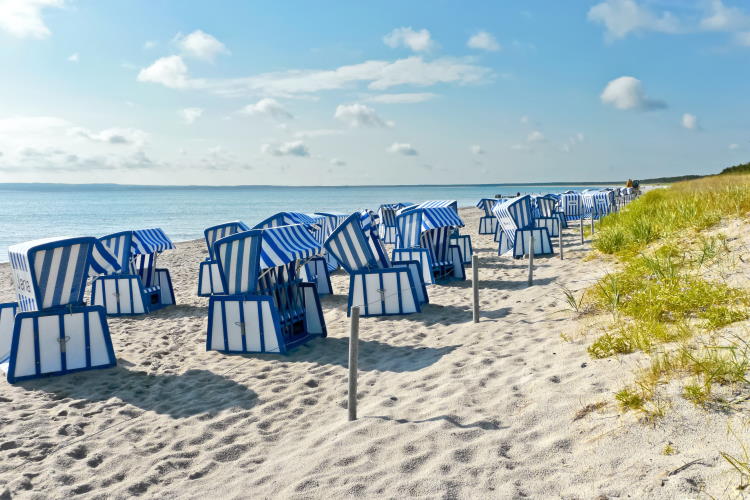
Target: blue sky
x,y
400,92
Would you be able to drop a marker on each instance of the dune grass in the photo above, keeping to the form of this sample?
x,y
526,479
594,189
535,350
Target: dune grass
x,y
660,301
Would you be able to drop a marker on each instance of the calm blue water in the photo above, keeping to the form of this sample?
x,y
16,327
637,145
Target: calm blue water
x,y
29,212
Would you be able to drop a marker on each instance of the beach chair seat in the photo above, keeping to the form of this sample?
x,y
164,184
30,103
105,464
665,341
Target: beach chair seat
x,y
50,330
518,224
488,221
209,277
378,286
267,307
145,287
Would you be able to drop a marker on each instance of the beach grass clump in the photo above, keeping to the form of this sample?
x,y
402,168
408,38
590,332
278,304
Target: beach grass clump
x,y
692,205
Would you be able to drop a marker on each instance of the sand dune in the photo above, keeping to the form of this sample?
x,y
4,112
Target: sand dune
x,y
448,409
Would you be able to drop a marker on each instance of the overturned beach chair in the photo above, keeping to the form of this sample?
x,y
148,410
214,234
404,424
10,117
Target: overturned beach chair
x,y
377,286
424,235
387,231
139,287
488,222
517,223
268,307
209,277
50,330
315,269
462,241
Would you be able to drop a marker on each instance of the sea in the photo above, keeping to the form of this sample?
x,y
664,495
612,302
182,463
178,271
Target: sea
x,y
33,211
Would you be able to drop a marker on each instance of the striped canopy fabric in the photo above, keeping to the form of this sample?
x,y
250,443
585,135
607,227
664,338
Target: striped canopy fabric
x,y
514,214
453,204
487,204
350,244
147,241
288,218
597,203
547,205
412,223
219,231
330,222
388,211
572,205
242,256
52,272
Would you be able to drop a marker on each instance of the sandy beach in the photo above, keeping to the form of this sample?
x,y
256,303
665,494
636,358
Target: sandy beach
x,y
512,407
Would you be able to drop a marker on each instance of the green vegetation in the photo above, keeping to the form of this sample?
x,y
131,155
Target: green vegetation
x,y
743,168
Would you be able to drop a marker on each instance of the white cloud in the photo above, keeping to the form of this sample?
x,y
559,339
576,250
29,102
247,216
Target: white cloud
x,y
627,92
535,136
73,58
172,72
524,120
117,136
337,163
169,71
150,44
402,148
269,107
723,18
743,38
689,121
31,124
572,141
734,146
476,149
622,17
189,115
294,148
404,98
359,115
200,45
418,41
483,41
304,134
23,18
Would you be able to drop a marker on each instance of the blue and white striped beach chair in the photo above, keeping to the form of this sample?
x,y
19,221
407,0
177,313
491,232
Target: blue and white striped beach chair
x,y
50,330
140,287
424,235
387,213
331,221
268,308
547,215
377,286
571,204
488,222
463,241
517,223
597,204
315,269
209,277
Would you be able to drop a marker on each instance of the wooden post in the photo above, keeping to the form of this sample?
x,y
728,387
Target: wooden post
x,y
475,286
353,361
581,224
531,257
592,224
560,240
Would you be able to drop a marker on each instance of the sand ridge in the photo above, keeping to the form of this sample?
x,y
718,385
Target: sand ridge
x,y
448,408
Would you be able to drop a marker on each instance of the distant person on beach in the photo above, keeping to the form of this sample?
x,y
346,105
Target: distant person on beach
x,y
629,183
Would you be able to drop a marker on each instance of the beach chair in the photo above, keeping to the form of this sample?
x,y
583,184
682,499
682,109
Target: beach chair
x,y
209,277
139,287
571,205
517,222
488,222
268,307
424,235
377,286
387,231
50,330
331,221
547,215
463,241
315,269
597,204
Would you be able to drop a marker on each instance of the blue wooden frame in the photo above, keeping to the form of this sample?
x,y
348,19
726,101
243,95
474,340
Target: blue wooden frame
x,y
147,305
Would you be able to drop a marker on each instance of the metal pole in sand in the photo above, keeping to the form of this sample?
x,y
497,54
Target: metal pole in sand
x,y
353,360
475,286
531,257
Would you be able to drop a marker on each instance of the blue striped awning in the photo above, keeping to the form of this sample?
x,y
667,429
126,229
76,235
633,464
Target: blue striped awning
x,y
287,218
439,204
146,241
102,261
284,244
435,218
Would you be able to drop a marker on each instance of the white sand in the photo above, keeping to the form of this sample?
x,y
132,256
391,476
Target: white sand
x,y
448,409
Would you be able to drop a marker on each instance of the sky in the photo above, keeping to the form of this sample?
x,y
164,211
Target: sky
x,y
387,92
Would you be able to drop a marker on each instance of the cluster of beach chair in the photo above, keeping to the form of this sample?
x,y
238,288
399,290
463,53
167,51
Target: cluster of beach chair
x,y
263,283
